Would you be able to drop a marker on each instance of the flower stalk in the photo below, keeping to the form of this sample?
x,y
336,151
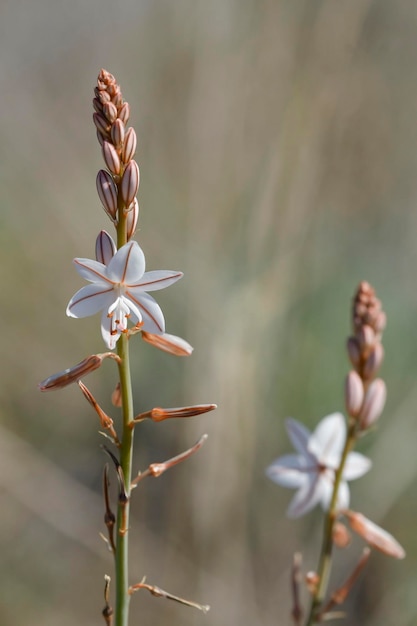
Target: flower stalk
x,y
118,288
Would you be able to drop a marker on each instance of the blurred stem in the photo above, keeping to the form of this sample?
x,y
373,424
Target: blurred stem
x,y
126,453
325,562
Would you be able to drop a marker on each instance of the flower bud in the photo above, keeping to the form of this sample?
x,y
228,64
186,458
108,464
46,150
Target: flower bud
x,y
107,191
373,404
168,343
124,112
374,361
129,146
373,534
117,133
354,393
98,107
132,219
366,336
354,351
110,111
101,123
105,248
111,158
130,183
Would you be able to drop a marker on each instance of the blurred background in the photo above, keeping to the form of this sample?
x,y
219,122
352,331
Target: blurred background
x,y
278,155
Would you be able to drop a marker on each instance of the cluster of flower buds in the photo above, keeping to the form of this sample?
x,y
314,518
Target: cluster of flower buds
x,y
118,185
365,394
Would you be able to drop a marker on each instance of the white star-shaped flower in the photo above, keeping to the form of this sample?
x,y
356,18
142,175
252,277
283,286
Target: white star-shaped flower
x,y
119,289
312,470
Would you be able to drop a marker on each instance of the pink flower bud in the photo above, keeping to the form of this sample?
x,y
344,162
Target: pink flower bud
x,y
354,351
130,183
132,219
111,158
374,361
158,414
117,133
366,336
105,248
354,393
124,113
373,404
107,191
101,123
129,146
110,111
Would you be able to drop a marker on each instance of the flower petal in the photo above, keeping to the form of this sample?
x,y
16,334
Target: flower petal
x,y
110,338
89,300
92,271
328,439
306,498
157,279
299,435
127,265
152,315
288,471
356,466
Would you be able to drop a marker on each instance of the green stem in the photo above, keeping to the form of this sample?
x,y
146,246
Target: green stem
x,y
126,452
325,562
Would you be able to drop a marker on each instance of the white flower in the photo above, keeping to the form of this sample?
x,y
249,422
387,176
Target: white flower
x,y
119,289
312,471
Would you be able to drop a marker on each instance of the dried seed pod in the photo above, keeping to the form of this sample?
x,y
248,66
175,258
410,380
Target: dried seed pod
x,y
373,534
130,183
107,192
129,146
373,404
111,158
354,393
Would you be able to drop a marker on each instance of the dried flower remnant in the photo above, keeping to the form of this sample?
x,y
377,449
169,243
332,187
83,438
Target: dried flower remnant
x,y
74,373
373,534
312,470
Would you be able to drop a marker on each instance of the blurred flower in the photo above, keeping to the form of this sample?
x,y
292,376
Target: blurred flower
x,y
119,289
312,470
